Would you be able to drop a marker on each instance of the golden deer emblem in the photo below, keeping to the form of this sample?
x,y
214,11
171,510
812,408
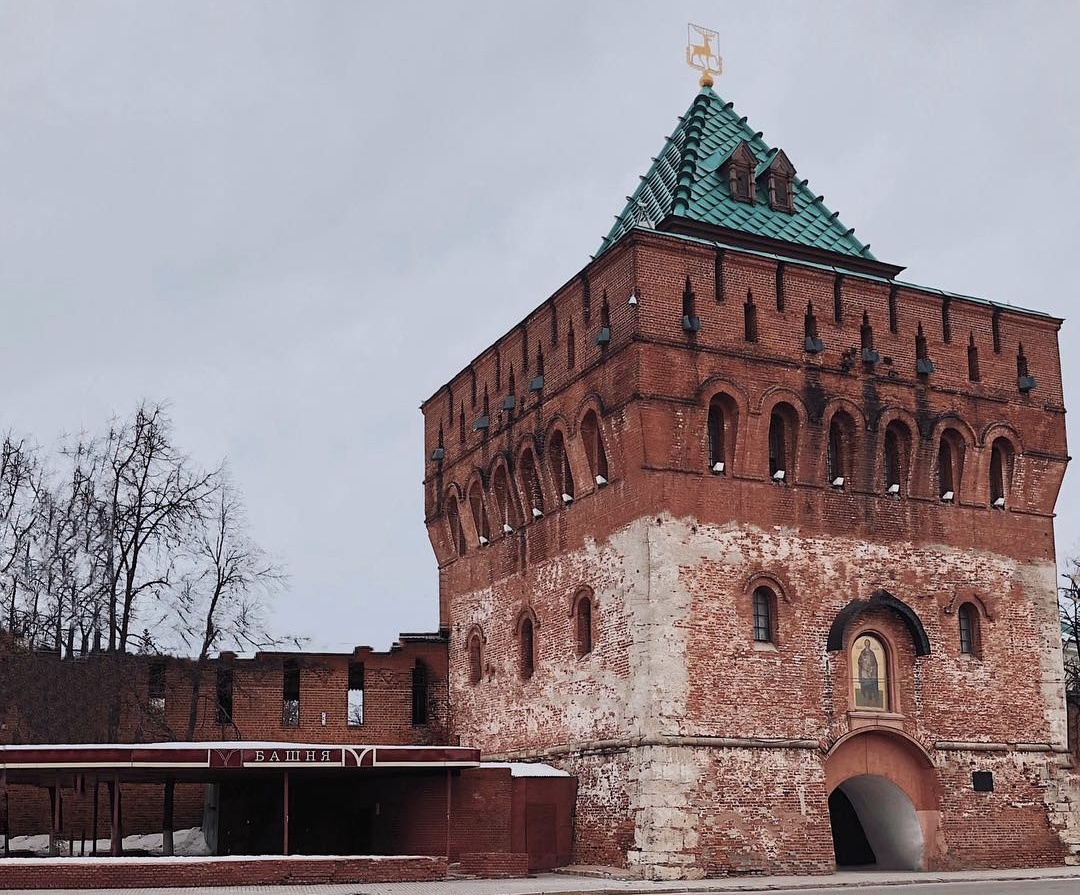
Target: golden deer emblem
x,y
700,53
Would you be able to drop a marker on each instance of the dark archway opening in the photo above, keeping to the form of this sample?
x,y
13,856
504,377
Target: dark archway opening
x,y
874,824
849,838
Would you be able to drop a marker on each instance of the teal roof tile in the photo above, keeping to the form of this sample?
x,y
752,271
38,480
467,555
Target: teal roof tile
x,y
685,181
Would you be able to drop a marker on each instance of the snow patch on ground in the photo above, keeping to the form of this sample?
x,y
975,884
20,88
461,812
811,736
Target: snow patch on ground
x,y
188,843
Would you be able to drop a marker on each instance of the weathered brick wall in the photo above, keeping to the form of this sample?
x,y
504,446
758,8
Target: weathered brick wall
x,y
112,873
672,553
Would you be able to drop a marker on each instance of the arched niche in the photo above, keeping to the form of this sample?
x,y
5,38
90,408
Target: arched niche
x,y
879,599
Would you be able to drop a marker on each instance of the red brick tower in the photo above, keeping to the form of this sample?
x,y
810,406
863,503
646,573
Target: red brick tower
x,y
757,540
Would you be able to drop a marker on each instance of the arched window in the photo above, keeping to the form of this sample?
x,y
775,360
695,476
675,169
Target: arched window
x,y
526,648
967,617
897,451
530,485
560,467
583,631
783,436
764,601
419,694
479,514
950,464
593,441
1001,470
453,520
476,658
723,424
505,503
840,453
869,674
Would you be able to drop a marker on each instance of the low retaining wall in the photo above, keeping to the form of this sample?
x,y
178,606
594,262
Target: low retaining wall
x,y
494,865
134,873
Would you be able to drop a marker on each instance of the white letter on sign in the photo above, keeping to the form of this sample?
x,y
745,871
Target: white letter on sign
x,y
292,754
326,755
259,755
309,755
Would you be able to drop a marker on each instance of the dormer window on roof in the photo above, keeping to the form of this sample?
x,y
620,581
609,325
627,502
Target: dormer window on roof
x,y
775,176
739,169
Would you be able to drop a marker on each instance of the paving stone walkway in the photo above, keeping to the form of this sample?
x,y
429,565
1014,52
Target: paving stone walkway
x,y
572,884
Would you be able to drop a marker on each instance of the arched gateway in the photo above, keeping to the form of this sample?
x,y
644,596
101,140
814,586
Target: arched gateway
x,y
883,802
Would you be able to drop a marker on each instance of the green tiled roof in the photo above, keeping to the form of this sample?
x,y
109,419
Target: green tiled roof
x,y
685,181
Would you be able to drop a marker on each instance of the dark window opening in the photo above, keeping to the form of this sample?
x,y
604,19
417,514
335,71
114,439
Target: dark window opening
x,y
530,485
838,299
894,314
593,441
505,503
750,328
586,298
982,781
156,688
224,696
780,187
526,646
583,625
973,359
968,622
476,667
290,693
782,439
1001,468
896,453
780,286
571,348
946,324
722,425
995,330
741,184
718,275
472,386
479,514
560,468
355,704
453,521
554,325
763,615
949,466
840,452
420,694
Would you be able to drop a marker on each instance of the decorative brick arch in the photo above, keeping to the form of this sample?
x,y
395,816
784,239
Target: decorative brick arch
x,y
894,419
776,581
851,448
892,782
736,420
879,599
794,415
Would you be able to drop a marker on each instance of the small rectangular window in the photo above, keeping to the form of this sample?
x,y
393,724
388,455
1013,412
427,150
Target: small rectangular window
x,y
290,694
224,696
157,688
355,715
982,781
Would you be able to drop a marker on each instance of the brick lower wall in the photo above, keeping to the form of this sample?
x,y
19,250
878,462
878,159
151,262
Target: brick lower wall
x,y
494,865
79,874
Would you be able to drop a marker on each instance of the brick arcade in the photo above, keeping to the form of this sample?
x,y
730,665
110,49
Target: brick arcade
x,y
756,540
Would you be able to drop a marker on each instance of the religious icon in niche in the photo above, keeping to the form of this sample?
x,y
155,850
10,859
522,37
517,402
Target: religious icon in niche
x,y
869,673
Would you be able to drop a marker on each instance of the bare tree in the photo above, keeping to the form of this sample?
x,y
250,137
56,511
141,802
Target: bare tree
x,y
223,596
151,499
1069,608
19,473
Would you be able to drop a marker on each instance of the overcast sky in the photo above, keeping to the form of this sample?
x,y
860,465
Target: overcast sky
x,y
295,220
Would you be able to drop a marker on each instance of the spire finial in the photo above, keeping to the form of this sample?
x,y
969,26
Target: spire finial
x,y
700,53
